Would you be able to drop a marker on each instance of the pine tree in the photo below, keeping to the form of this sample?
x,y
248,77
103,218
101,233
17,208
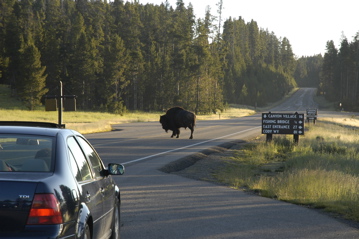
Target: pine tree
x,y
31,83
12,42
308,70
154,57
130,32
52,43
355,58
254,43
208,71
181,36
329,84
345,64
114,82
201,68
272,44
5,20
287,57
238,60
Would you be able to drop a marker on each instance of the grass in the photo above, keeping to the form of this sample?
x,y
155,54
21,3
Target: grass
x,y
322,171
93,122
234,111
350,121
84,122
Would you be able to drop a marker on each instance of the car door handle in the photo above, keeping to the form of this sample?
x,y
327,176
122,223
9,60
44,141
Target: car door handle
x,y
88,197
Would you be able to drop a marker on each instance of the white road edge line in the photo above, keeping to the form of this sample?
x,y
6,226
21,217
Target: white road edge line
x,y
188,146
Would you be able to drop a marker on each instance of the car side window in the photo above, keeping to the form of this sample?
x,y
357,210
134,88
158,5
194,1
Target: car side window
x,y
75,168
92,156
80,159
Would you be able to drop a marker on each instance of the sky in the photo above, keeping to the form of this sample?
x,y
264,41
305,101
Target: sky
x,y
308,24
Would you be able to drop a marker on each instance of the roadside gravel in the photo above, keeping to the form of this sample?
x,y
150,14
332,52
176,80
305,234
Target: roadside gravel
x,y
203,165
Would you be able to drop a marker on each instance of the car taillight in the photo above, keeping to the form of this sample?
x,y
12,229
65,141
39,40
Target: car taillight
x,y
44,210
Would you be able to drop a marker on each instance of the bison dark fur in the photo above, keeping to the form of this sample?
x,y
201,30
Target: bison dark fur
x,y
176,118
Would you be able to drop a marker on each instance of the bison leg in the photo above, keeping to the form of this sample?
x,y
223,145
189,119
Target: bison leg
x,y
191,128
173,133
178,133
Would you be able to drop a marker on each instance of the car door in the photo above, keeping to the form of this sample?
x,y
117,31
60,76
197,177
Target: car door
x,y
90,187
107,187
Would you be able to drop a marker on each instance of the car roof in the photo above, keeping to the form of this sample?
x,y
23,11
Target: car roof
x,y
35,128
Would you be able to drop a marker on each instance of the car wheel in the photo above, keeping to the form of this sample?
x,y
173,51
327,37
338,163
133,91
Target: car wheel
x,y
116,222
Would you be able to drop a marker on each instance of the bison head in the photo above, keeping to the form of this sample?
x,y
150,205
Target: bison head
x,y
164,122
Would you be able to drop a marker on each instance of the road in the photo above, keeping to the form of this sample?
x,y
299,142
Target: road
x,y
157,205
299,102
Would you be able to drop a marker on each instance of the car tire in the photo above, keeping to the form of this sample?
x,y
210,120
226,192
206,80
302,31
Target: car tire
x,y
116,222
87,233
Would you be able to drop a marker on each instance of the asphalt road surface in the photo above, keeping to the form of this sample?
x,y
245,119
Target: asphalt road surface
x,y
157,205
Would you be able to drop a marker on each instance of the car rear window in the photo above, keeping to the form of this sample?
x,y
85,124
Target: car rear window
x,y
23,153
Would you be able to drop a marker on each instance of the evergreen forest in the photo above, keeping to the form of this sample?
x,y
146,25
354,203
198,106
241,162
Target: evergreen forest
x,y
118,55
339,78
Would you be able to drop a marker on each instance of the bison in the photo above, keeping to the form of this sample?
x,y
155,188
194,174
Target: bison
x,y
176,118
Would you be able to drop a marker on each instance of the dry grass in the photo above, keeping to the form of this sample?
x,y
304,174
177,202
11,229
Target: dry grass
x,y
92,122
348,121
322,171
84,122
234,111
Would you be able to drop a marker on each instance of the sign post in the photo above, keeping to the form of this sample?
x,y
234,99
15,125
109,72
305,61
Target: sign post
x,y
56,102
312,114
60,102
282,123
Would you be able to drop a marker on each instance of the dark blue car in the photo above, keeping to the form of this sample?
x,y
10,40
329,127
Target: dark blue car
x,y
53,184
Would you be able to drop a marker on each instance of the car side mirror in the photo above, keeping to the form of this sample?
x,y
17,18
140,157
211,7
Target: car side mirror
x,y
116,169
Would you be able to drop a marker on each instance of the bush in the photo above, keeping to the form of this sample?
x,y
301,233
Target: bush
x,y
329,148
117,107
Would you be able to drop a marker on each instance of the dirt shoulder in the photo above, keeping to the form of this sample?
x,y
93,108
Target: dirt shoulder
x,y
202,165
